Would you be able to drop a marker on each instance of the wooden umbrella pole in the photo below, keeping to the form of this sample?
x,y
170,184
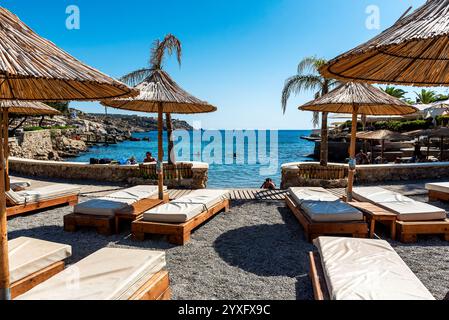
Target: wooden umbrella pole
x,y
6,147
4,255
382,153
352,150
160,153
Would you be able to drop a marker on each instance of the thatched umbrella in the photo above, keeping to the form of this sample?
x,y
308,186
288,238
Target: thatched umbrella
x,y
358,98
34,69
21,108
160,94
414,51
381,135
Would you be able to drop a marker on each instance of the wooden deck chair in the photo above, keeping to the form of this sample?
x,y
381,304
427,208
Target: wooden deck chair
x,y
362,269
321,213
413,217
27,201
106,213
34,261
178,218
109,274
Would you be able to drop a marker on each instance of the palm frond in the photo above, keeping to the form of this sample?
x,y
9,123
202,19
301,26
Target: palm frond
x,y
136,77
316,119
297,84
310,65
169,45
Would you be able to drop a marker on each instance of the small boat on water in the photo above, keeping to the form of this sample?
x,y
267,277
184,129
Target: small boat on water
x,y
146,139
135,139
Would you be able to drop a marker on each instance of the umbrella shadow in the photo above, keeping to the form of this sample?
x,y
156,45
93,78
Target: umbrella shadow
x,y
278,250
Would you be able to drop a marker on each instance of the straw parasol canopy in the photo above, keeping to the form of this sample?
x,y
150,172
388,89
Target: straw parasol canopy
x,y
357,98
160,88
381,135
26,108
33,68
414,51
368,99
160,94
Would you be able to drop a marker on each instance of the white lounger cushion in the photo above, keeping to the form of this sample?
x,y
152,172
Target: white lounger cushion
x,y
366,269
407,209
27,256
187,207
41,194
109,205
108,274
440,187
322,206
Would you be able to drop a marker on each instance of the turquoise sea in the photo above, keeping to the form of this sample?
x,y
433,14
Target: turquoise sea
x,y
237,159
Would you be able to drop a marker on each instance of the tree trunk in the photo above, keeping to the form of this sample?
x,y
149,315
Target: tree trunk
x,y
324,155
41,121
171,154
13,131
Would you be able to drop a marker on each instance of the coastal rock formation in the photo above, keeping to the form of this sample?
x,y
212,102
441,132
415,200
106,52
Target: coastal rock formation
x,y
45,145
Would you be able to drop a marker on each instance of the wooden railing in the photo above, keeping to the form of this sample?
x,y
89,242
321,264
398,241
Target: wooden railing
x,y
318,172
171,172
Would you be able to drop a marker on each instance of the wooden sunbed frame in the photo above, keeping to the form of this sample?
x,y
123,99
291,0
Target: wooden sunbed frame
x,y
313,230
26,284
438,196
107,225
157,288
178,233
13,211
320,290
408,231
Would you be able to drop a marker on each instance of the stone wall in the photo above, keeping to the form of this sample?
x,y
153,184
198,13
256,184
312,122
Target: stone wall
x,y
45,145
105,173
375,173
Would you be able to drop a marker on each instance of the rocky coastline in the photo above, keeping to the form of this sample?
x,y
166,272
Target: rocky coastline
x,y
67,136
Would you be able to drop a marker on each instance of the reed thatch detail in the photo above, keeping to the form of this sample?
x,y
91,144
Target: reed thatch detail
x,y
368,99
414,51
25,108
381,135
159,88
33,68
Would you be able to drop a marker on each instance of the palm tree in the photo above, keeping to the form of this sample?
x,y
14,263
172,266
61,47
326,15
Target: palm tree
x,y
170,44
425,96
395,92
309,79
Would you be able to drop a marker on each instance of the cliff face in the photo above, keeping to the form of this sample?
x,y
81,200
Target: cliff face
x,y
56,144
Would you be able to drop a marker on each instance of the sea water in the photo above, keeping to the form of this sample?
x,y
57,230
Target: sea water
x,y
242,162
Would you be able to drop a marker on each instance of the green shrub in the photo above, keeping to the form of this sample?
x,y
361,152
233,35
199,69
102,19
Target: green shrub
x,y
403,125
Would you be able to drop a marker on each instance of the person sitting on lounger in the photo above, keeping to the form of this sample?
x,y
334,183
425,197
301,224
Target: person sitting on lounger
x,y
268,185
362,158
149,158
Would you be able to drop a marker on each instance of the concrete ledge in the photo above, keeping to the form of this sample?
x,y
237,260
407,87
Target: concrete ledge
x,y
375,173
108,173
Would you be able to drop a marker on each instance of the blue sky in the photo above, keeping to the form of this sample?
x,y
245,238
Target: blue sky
x,y
237,53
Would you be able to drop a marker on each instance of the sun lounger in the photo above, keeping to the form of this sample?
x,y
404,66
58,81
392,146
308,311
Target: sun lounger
x,y
322,213
178,218
50,196
33,261
438,191
106,213
362,269
109,274
413,217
